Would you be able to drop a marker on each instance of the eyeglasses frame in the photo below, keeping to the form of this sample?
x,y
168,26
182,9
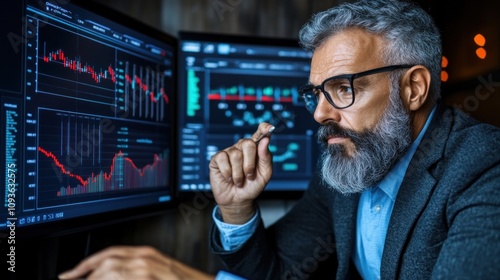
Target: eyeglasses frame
x,y
351,78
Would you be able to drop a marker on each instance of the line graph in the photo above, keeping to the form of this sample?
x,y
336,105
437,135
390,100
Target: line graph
x,y
123,174
82,157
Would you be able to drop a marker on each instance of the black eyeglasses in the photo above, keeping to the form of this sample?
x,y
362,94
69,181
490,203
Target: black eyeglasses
x,y
339,90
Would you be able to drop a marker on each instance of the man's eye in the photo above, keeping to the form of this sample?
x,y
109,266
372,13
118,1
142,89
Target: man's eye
x,y
344,89
316,92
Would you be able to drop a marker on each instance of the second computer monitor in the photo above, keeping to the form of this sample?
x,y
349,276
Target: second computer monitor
x,y
228,85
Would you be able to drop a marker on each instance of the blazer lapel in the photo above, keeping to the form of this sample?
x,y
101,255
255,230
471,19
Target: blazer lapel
x,y
414,192
410,201
344,227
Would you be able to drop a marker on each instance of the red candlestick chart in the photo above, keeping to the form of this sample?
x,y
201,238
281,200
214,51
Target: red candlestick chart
x,y
125,85
84,69
77,66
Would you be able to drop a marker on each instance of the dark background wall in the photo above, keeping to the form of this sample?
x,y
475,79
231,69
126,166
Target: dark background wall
x,y
473,85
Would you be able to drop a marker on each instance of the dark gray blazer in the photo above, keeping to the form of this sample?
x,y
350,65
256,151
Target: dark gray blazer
x,y
445,223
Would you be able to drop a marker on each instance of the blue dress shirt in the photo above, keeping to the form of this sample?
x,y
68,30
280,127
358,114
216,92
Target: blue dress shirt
x,y
374,212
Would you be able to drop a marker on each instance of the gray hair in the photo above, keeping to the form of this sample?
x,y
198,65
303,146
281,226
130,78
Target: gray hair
x,y
411,34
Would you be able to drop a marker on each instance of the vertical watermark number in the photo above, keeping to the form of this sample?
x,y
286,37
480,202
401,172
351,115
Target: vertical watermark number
x,y
11,219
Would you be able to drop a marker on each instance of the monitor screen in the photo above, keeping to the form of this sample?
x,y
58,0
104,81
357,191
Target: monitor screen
x,y
86,113
228,84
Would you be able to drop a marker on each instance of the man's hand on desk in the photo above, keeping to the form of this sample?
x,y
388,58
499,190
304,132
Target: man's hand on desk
x,y
130,262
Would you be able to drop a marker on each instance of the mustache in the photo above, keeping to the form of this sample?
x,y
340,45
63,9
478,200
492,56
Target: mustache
x,y
334,129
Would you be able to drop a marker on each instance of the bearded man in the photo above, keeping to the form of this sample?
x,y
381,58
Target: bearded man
x,y
407,188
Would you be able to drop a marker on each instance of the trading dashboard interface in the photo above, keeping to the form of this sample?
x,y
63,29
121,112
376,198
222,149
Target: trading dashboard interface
x,y
86,117
230,84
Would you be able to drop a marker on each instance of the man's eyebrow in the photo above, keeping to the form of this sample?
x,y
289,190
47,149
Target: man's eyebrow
x,y
309,83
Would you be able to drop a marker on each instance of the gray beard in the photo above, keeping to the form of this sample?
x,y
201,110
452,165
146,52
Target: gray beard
x,y
376,151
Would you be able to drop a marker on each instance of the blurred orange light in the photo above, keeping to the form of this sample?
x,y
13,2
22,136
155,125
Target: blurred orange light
x,y
444,62
481,53
444,76
480,40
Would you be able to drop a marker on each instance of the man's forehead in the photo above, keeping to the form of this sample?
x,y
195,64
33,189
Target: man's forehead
x,y
348,51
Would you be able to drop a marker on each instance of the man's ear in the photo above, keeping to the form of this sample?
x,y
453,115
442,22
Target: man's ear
x,y
415,87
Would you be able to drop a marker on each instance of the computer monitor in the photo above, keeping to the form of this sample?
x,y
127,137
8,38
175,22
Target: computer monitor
x,y
228,84
87,128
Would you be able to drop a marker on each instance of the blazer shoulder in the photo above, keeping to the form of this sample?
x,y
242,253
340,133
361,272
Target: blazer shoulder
x,y
470,154
467,135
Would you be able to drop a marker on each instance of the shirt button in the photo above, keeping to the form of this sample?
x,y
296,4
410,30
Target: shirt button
x,y
377,208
